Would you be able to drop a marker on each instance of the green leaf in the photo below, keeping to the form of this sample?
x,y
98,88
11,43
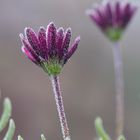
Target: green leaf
x,y
11,130
43,137
20,138
121,137
7,109
100,130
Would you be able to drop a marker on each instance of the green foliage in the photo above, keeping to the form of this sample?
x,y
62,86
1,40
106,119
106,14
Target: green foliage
x,y
43,137
102,135
20,138
7,109
100,130
121,137
6,115
11,130
5,119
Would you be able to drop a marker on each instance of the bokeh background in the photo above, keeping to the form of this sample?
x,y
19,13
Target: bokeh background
x,y
87,81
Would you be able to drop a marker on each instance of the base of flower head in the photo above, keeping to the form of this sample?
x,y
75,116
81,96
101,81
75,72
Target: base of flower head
x,y
114,34
52,67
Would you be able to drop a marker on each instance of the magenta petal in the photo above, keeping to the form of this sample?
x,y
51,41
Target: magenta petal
x,y
51,38
42,36
117,14
101,13
67,38
43,43
127,10
24,41
109,14
108,9
59,37
94,17
29,51
59,41
73,48
33,40
30,56
133,9
126,15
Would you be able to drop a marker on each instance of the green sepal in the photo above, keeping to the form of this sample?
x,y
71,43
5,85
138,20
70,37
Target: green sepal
x,y
52,67
114,34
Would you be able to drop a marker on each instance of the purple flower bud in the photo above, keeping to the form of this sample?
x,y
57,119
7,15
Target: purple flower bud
x,y
49,48
112,17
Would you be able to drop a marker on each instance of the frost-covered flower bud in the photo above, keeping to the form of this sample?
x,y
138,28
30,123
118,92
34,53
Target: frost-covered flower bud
x,y
112,17
50,48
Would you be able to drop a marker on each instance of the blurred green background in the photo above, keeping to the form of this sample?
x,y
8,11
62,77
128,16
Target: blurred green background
x,y
87,81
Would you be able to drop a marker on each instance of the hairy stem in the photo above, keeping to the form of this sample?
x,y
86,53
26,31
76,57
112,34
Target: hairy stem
x,y
119,82
60,107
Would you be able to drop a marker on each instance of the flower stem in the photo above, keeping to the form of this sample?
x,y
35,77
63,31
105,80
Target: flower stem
x,y
60,107
119,82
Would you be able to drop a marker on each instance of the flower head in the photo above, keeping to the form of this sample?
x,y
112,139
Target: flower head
x,y
50,48
112,17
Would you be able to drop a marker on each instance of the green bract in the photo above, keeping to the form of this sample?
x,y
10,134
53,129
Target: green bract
x,y
114,34
52,67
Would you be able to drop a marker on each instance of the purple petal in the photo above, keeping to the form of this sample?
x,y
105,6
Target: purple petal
x,y
33,40
117,13
94,17
67,38
51,38
133,9
130,10
59,41
101,15
30,53
109,14
109,10
72,49
126,15
127,9
126,12
42,36
42,40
